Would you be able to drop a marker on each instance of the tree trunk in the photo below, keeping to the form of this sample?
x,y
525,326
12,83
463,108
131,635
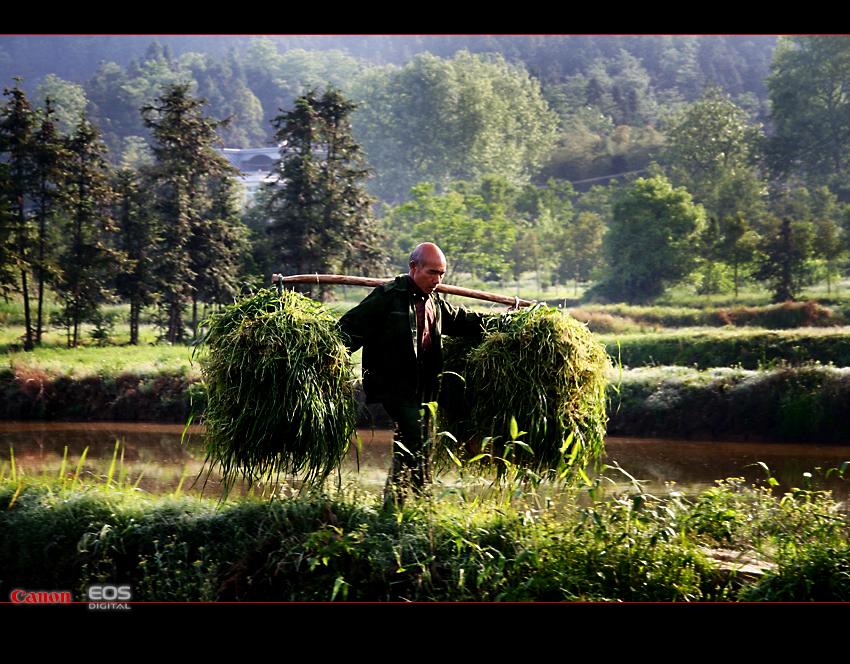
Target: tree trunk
x,y
28,342
735,269
134,323
76,327
175,323
39,318
194,317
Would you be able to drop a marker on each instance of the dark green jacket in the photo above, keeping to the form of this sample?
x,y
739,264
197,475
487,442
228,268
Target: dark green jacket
x,y
384,324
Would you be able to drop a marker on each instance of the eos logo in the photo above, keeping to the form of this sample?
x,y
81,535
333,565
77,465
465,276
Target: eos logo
x,y
105,596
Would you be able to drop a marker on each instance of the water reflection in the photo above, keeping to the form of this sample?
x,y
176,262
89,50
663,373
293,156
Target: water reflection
x,y
155,452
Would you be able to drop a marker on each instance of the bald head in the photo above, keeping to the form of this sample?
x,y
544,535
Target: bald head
x,y
427,266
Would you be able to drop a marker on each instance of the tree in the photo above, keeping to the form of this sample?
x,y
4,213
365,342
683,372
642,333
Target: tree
x,y
17,124
320,213
828,242
651,241
137,240
67,99
581,243
49,155
437,120
218,245
85,263
737,245
784,260
542,216
185,162
711,141
809,84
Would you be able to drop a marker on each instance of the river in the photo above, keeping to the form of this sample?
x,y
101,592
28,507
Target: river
x,y
155,459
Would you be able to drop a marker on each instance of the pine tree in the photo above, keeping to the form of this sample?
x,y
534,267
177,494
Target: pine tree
x,y
48,156
321,214
185,162
86,262
218,245
17,124
137,240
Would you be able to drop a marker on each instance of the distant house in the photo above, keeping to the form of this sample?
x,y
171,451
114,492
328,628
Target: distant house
x,y
256,166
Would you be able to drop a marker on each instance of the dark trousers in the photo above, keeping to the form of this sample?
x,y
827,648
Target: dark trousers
x,y
410,466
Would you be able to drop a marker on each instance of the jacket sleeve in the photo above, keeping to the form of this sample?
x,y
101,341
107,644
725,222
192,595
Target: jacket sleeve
x,y
359,323
461,322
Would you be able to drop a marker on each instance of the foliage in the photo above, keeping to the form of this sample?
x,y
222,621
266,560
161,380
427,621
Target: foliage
x,y
537,369
808,94
280,395
750,349
320,214
68,100
650,241
582,246
707,141
588,546
439,120
791,403
457,222
197,226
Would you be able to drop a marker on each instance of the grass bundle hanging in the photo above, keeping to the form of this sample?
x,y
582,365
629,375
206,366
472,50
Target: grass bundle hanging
x,y
280,389
537,371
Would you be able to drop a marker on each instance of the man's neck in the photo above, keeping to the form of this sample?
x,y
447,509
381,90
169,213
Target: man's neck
x,y
418,292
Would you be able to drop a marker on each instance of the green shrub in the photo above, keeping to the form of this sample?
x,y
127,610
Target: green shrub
x,y
630,546
746,349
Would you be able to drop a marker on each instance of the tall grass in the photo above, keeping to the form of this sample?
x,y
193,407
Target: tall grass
x,y
538,370
747,348
280,390
589,544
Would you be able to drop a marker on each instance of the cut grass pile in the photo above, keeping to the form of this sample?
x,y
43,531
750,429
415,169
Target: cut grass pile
x,y
280,389
531,393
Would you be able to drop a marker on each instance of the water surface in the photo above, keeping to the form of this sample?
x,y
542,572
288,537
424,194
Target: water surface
x,y
163,454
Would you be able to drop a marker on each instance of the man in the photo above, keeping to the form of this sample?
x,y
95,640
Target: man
x,y
400,325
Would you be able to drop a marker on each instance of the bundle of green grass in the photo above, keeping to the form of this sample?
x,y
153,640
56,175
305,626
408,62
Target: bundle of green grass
x,y
530,395
280,389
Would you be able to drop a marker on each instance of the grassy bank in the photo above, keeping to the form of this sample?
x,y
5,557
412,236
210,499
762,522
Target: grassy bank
x,y
803,403
133,383
633,318
787,403
747,348
632,546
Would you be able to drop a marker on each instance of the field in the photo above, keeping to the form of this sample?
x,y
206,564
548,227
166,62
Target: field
x,y
684,368
731,543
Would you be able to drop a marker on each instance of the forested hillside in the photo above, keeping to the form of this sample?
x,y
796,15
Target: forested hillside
x,y
622,166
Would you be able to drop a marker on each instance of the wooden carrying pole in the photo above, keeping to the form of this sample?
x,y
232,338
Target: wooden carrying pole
x,y
346,280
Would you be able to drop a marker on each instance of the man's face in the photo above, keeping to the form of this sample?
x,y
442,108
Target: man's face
x,y
428,272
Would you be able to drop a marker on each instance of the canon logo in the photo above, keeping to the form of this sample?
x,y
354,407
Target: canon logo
x,y
19,596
